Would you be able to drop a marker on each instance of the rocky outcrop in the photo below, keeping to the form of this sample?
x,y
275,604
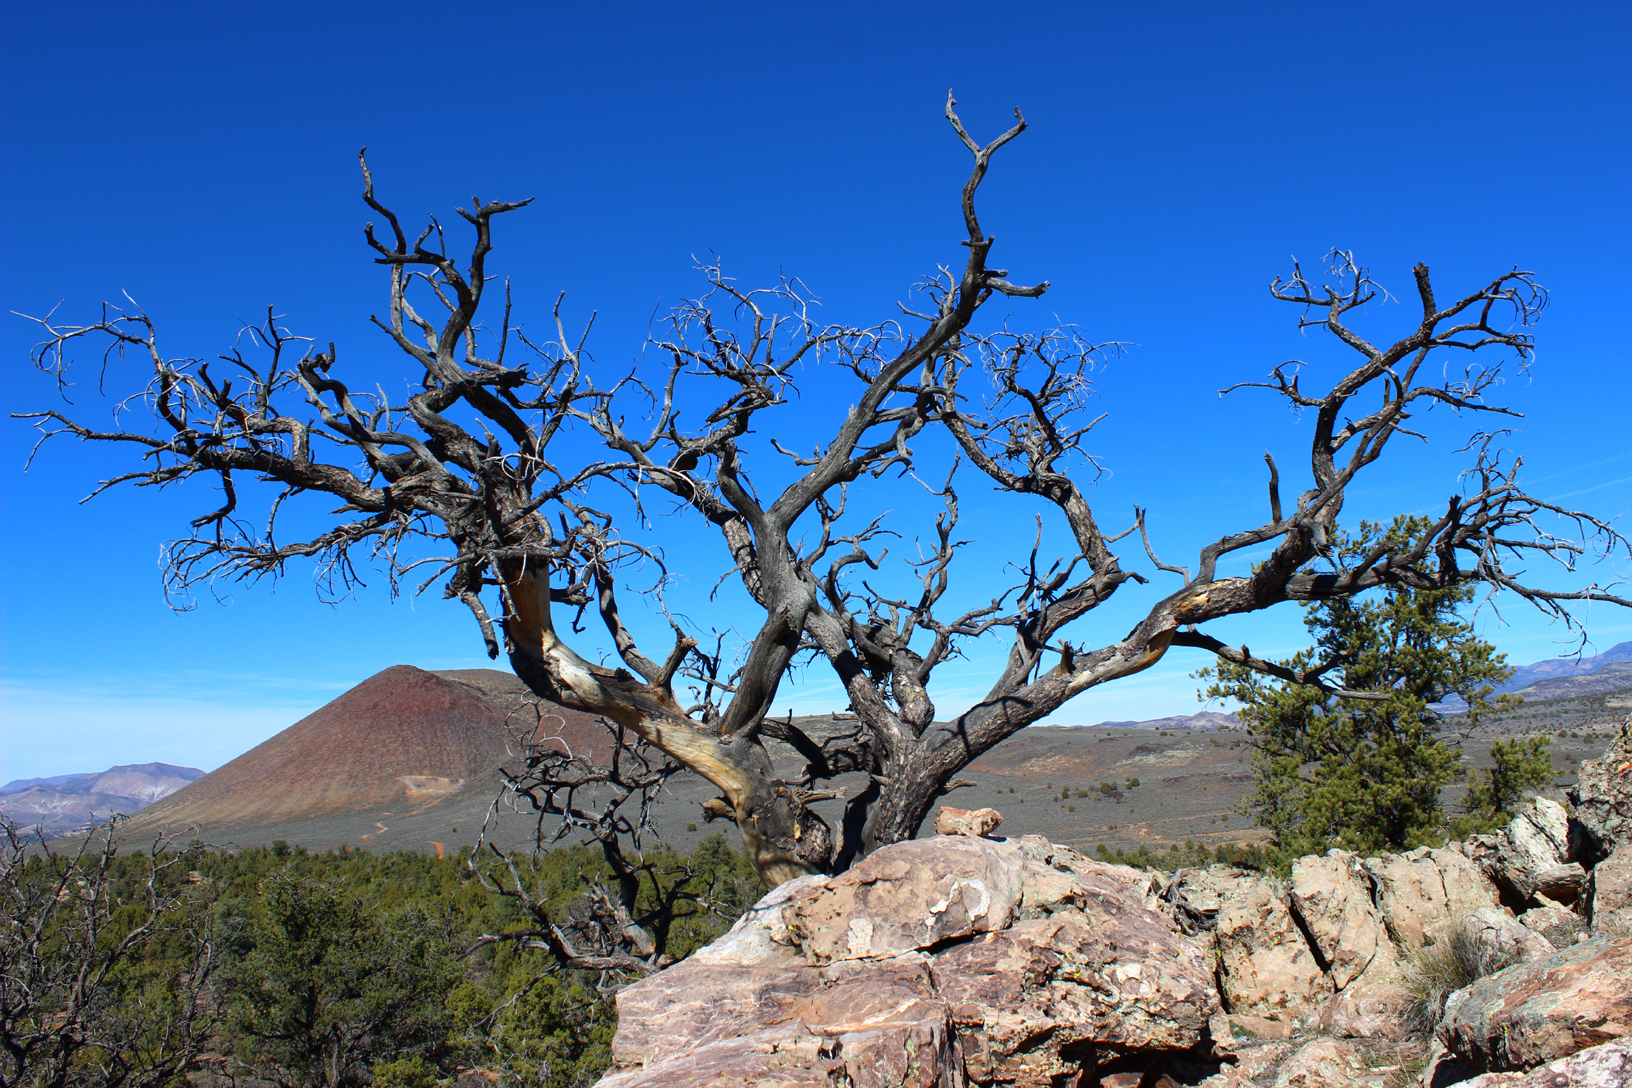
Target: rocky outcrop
x,y
1548,1008
1536,842
1562,883
1422,892
785,1025
904,899
1323,1063
1370,1008
1504,935
1611,899
1328,950
1560,925
1195,896
1255,1066
965,959
1331,901
929,963
1265,966
1602,798
1443,1069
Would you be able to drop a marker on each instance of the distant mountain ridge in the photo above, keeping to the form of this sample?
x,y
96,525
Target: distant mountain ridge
x,y
1206,719
1610,676
1526,675
17,785
67,802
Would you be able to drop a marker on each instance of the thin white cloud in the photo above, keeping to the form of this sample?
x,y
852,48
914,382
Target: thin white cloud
x,y
1595,487
1578,469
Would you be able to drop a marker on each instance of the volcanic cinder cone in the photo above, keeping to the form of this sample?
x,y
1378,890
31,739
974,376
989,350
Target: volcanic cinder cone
x,y
399,743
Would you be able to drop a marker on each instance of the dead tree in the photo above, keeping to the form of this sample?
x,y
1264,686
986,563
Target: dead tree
x,y
472,464
76,1005
568,794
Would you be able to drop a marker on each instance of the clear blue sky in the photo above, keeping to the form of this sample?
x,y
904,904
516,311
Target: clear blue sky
x,y
202,158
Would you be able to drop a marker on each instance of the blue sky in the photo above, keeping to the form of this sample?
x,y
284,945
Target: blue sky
x,y
202,159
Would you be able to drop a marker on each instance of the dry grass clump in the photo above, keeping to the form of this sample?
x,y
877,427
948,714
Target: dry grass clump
x,y
1461,957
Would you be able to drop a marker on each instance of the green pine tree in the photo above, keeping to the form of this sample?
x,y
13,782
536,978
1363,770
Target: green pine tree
x,y
1364,774
328,986
1520,765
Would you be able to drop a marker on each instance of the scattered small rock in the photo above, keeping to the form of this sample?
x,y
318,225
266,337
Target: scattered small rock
x,y
1261,1028
972,822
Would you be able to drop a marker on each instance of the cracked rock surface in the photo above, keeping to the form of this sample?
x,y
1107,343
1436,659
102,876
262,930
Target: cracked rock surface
x,y
961,960
1548,1008
933,963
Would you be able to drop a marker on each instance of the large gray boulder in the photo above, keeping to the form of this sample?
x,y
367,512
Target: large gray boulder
x,y
1505,935
1562,883
903,900
1549,1008
1530,854
929,963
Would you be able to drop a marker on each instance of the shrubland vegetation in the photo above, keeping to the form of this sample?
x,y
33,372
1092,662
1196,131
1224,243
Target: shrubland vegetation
x,y
1188,853
282,967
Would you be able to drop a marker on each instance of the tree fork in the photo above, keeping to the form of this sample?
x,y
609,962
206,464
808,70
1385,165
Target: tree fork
x,y
777,830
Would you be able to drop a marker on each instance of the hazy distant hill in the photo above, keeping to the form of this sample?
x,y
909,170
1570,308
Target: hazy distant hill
x,y
17,785
1613,676
1526,675
67,802
1207,719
